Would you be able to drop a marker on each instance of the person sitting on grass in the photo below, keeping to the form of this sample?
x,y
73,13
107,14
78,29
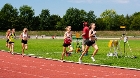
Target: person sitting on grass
x,y
90,42
67,42
24,37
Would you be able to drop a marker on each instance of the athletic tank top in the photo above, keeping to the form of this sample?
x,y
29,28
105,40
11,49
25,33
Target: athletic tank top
x,y
68,35
11,37
68,38
93,35
24,35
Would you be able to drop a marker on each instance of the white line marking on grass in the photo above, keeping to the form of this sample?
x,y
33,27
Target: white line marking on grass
x,y
31,54
3,50
18,53
57,52
53,52
40,57
48,58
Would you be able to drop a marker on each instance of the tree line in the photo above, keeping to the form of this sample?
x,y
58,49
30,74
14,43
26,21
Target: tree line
x,y
11,17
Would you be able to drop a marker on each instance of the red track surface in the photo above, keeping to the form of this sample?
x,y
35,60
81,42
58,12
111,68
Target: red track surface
x,y
16,66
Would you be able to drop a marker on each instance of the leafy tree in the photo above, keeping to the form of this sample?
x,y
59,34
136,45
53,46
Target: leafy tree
x,y
26,17
119,20
60,24
100,25
8,17
44,19
135,23
53,21
1,19
108,16
36,23
72,18
76,17
91,18
128,22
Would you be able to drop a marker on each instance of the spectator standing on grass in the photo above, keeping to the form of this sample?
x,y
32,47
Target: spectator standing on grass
x,y
85,35
24,37
36,36
67,41
90,42
11,38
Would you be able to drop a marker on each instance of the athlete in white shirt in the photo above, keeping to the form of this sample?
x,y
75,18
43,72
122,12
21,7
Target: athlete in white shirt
x,y
24,37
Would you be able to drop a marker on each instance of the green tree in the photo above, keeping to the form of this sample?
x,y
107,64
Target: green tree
x,y
119,20
71,18
44,19
36,23
53,21
8,17
75,17
135,21
108,18
26,17
60,24
128,22
100,25
1,19
91,17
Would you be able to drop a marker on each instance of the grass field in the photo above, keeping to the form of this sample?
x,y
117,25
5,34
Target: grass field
x,y
49,48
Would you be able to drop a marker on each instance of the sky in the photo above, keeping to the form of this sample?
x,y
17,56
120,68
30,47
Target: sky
x,y
59,7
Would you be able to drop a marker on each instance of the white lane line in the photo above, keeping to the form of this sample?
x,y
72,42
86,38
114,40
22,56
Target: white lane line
x,y
135,75
40,68
106,75
74,73
31,54
42,65
24,66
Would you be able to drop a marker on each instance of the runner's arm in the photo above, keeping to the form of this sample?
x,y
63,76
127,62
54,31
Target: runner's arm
x,y
21,36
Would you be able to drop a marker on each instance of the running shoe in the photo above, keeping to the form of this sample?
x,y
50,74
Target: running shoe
x,y
80,61
93,59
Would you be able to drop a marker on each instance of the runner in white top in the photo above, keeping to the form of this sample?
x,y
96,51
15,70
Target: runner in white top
x,y
24,37
67,41
91,42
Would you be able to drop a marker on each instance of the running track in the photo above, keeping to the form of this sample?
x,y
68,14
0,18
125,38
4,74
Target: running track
x,y
16,66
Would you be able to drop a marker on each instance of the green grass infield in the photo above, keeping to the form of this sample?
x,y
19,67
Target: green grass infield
x,y
52,48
